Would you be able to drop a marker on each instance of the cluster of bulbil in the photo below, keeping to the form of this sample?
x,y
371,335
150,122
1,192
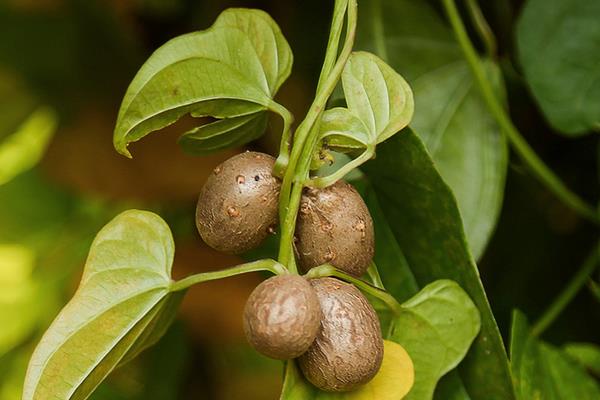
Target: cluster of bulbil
x,y
326,324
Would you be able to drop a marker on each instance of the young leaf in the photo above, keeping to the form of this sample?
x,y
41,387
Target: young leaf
x,y
450,116
377,95
423,215
393,381
436,327
559,49
342,131
122,305
541,371
232,69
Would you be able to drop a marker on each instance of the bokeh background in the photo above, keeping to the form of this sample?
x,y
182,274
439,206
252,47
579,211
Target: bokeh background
x,y
64,67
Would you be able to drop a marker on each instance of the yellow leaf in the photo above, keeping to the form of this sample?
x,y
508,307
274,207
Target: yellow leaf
x,y
393,381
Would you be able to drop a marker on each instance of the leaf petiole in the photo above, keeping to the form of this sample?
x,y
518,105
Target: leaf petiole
x,y
329,270
324,181
261,265
284,153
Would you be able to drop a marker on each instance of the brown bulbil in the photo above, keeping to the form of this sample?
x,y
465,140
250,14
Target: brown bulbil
x,y
237,206
348,350
334,226
282,317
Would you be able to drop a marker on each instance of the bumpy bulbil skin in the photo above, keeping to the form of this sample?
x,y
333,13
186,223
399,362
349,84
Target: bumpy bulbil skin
x,y
335,226
282,317
237,206
348,350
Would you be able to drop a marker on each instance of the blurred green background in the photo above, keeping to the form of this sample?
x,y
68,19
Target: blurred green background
x,y
64,67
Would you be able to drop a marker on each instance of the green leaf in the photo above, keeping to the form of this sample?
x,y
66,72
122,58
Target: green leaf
x,y
343,131
558,43
232,69
587,354
273,50
436,327
541,371
450,387
120,307
423,215
377,95
391,262
392,382
450,115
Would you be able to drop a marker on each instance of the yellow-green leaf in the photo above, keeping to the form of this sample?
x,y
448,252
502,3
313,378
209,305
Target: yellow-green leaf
x,y
232,69
118,309
377,94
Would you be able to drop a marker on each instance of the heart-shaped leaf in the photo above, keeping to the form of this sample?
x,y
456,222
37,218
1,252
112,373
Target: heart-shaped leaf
x,y
232,69
393,381
436,327
377,95
380,103
122,305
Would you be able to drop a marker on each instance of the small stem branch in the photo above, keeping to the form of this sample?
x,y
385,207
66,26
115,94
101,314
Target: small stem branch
x,y
567,294
324,181
328,270
531,159
261,265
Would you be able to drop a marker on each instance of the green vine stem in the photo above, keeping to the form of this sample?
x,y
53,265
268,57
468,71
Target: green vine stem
x,y
531,159
306,137
482,27
260,265
567,294
330,57
328,270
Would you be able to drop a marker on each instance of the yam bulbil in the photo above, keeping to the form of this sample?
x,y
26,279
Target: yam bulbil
x,y
334,227
282,316
237,206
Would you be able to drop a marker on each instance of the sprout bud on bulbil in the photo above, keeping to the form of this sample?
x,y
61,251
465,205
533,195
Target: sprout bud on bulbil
x,y
237,206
